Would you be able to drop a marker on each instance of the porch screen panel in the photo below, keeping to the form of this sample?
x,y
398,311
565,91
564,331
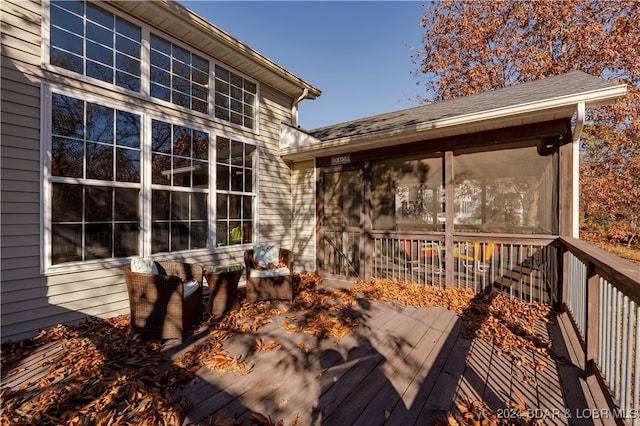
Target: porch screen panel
x,y
408,194
509,190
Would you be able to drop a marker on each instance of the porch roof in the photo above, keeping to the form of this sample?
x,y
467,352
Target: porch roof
x,y
537,101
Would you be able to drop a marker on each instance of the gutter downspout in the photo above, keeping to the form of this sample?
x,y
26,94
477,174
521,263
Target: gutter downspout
x,y
575,187
294,107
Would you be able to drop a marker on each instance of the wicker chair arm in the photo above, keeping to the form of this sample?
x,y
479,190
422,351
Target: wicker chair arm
x,y
249,261
286,257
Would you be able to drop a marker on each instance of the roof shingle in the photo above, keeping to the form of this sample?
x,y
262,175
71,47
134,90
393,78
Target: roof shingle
x,y
534,91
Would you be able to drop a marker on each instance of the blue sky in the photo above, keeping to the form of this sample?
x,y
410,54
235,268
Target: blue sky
x,y
357,53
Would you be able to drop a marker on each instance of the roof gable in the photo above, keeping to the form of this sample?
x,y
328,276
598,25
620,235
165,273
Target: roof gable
x,y
505,98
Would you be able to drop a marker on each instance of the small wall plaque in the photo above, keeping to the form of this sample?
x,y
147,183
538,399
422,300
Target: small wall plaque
x,y
340,159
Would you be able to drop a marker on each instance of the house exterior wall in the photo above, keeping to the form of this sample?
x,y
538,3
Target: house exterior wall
x,y
34,298
303,223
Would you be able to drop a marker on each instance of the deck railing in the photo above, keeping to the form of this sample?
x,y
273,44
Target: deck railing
x,y
526,269
601,292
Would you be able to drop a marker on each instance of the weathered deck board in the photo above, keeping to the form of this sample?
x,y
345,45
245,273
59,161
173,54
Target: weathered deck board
x,y
407,373
381,392
24,376
403,365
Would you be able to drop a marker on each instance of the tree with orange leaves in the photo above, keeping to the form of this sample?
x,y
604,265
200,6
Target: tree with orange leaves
x,y
471,47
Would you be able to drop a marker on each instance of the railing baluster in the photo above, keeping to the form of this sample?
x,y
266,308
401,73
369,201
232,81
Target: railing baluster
x,y
636,371
619,350
609,361
601,322
624,359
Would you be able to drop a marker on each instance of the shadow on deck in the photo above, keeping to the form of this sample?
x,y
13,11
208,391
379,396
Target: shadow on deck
x,y
401,365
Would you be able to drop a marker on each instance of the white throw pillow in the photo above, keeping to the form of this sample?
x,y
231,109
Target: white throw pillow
x,y
266,255
189,288
143,266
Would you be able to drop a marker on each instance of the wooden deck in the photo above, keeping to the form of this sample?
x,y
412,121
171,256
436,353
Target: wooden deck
x,y
402,366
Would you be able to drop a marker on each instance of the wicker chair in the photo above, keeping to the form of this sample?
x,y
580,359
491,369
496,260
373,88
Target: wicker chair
x,y
270,283
158,308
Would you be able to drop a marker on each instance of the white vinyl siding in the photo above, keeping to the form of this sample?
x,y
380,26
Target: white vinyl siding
x,y
23,287
303,194
34,300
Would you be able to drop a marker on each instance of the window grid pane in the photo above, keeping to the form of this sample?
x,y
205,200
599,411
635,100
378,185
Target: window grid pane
x,y
92,220
179,156
91,41
234,196
235,98
179,221
179,76
179,159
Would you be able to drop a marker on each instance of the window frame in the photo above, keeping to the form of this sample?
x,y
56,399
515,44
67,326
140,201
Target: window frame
x,y
145,63
47,178
145,185
149,186
255,193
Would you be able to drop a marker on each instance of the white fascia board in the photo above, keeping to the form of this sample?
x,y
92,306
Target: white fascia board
x,y
292,138
462,124
212,36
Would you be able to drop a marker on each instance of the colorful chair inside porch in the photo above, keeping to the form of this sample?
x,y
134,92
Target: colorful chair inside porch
x,y
475,256
422,254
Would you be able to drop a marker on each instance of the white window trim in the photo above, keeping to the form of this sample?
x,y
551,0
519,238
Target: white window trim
x,y
145,185
145,54
46,94
148,186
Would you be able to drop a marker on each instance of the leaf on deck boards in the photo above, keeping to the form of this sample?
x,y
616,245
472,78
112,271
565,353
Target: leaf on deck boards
x,y
105,373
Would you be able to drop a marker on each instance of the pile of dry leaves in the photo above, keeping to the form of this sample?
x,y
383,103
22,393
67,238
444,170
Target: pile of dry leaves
x,y
503,321
105,374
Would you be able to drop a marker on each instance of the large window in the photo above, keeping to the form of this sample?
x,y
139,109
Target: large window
x,y
507,190
235,193
90,41
110,180
407,194
95,176
96,43
124,180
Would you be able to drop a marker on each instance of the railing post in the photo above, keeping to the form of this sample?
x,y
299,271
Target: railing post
x,y
449,187
592,316
563,278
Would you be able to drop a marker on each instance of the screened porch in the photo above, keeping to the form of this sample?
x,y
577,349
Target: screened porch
x,y
388,217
